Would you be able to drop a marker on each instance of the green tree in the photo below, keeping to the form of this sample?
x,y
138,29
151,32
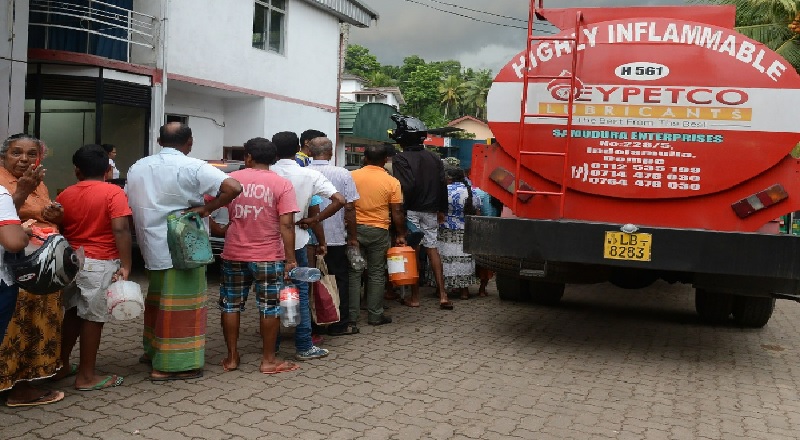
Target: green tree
x,y
432,116
476,92
448,68
381,79
359,61
421,89
409,66
768,21
451,92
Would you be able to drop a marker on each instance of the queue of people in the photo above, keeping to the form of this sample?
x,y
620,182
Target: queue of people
x,y
283,193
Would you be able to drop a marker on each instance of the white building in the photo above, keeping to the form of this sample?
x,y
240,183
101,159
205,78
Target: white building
x,y
356,89
112,71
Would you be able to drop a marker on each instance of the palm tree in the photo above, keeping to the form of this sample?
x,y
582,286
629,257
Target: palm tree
x,y
381,79
451,91
476,91
775,23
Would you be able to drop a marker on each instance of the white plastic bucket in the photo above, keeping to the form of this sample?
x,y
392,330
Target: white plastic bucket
x,y
124,300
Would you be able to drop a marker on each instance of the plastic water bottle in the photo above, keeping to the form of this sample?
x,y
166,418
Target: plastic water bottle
x,y
290,305
307,274
357,262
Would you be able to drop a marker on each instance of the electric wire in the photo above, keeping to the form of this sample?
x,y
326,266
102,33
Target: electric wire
x,y
542,31
478,11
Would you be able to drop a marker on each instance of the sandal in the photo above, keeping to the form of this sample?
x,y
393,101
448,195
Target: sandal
x,y
73,370
184,375
447,305
105,383
349,329
46,398
283,367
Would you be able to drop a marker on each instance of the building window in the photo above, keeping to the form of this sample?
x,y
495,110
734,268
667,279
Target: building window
x,y
178,118
268,25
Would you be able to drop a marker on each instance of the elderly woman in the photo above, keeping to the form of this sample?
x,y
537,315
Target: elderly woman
x,y
31,344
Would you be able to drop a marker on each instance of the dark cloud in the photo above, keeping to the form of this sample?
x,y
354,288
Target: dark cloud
x,y
407,27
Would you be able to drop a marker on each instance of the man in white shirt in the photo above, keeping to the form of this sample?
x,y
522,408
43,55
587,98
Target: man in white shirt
x,y
340,229
306,182
165,183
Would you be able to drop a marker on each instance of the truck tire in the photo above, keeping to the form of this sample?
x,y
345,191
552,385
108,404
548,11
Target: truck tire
x,y
546,294
512,289
713,307
752,311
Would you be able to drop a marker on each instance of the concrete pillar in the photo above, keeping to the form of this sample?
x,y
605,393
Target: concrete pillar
x,y
13,64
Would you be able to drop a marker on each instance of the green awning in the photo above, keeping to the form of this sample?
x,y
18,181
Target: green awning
x,y
365,123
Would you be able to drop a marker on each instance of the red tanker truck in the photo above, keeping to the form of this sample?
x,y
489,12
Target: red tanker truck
x,y
643,143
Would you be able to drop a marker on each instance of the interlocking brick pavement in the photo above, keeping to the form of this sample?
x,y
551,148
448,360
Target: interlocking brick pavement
x,y
605,364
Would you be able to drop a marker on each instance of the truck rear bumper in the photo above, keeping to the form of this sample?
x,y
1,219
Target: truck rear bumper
x,y
729,261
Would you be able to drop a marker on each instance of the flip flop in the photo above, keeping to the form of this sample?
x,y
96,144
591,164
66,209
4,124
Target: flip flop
x,y
446,305
283,367
48,397
104,383
73,370
177,376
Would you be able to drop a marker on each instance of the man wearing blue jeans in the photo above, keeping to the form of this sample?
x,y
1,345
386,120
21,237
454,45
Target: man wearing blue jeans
x,y
307,183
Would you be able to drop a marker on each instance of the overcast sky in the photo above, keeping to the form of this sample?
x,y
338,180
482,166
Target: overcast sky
x,y
408,27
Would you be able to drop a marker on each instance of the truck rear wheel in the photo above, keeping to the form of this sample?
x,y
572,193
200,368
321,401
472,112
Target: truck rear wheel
x,y
752,311
546,294
512,289
713,307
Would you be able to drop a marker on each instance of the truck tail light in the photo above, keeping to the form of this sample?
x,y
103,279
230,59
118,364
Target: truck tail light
x,y
505,179
760,200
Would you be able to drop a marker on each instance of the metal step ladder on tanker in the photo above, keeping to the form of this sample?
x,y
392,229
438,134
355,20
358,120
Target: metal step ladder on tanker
x,y
574,41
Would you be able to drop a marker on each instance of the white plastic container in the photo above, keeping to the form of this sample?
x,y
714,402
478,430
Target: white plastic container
x,y
124,300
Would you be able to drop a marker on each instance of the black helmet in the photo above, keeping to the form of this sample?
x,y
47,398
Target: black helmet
x,y
410,130
48,269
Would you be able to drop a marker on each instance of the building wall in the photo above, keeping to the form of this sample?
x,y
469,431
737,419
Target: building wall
x,y
13,65
482,131
244,119
203,111
292,91
280,116
307,70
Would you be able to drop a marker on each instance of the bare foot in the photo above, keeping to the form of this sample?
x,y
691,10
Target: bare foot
x,y
278,367
229,365
409,303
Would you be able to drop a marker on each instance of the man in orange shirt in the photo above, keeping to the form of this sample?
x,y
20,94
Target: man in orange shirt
x,y
380,199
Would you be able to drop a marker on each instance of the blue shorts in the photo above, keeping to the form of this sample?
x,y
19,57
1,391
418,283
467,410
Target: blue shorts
x,y
238,276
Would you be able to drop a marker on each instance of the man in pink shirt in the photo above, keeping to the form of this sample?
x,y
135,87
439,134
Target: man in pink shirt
x,y
259,249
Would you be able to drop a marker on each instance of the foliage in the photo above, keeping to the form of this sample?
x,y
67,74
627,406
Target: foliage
x,y
436,92
462,135
769,21
423,83
451,91
359,61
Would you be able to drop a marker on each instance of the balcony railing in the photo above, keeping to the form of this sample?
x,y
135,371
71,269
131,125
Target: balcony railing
x,y
104,28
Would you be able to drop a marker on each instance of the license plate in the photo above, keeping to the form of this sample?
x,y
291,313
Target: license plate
x,y
624,246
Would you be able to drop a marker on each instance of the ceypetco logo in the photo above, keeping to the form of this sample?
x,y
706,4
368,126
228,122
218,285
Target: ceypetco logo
x,y
559,87
648,95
